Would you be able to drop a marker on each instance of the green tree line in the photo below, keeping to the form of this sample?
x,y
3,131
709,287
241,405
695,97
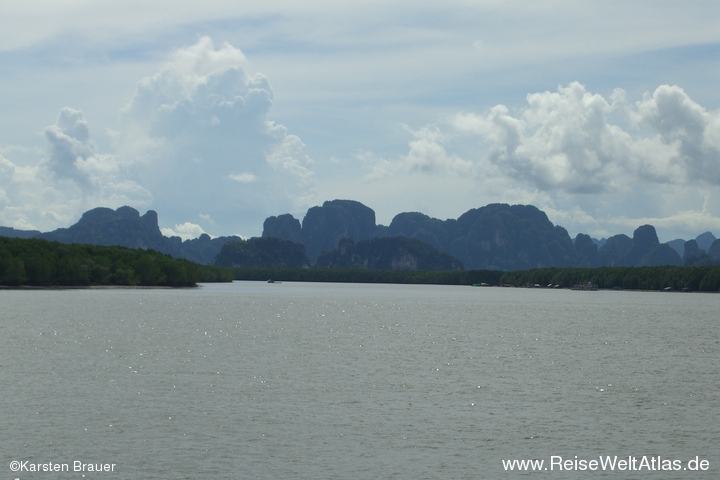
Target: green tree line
x,y
36,262
367,275
702,279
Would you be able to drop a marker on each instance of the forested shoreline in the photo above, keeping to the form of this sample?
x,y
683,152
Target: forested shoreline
x,y
694,279
689,279
367,275
41,263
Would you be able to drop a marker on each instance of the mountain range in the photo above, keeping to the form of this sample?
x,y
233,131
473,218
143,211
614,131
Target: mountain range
x,y
344,233
125,227
493,237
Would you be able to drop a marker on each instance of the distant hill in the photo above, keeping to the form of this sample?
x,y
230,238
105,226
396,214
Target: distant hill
x,y
493,237
267,252
125,227
122,227
704,241
13,233
323,227
387,253
496,236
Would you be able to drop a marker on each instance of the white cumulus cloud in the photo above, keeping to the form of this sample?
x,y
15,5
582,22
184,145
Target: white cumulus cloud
x,y
201,120
70,177
185,231
578,142
586,159
427,155
245,177
687,134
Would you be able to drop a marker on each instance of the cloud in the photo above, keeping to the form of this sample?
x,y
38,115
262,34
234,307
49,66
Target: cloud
x,y
574,141
561,140
20,185
245,177
688,134
72,154
586,159
206,218
426,155
70,178
185,231
201,120
200,136
199,88
195,139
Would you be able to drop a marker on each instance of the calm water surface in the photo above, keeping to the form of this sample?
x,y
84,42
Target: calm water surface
x,y
338,381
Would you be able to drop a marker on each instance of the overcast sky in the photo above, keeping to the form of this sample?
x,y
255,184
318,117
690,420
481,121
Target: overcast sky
x,y
218,114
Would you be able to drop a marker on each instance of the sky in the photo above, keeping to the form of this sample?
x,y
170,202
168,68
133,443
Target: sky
x,y
219,114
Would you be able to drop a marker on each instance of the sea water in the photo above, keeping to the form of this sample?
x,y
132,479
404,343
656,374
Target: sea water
x,y
254,380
